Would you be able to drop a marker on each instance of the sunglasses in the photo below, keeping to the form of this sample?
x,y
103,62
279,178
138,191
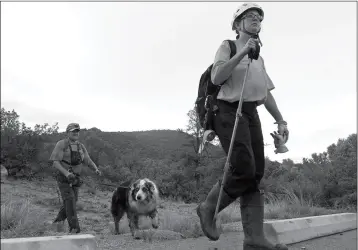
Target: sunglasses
x,y
251,17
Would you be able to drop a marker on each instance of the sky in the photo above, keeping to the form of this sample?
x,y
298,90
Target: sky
x,y
129,66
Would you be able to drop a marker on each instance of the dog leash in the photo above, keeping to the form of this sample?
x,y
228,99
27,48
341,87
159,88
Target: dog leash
x,y
111,185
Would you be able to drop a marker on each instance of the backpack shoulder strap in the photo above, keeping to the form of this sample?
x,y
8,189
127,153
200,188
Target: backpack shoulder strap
x,y
232,47
232,53
67,144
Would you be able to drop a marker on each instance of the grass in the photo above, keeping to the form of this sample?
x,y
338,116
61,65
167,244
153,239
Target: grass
x,y
187,226
283,210
26,215
293,206
19,219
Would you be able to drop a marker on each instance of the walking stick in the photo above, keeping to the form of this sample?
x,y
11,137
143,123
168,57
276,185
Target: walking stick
x,y
227,163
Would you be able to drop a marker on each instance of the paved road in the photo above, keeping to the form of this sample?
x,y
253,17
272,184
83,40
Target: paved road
x,y
344,241
233,241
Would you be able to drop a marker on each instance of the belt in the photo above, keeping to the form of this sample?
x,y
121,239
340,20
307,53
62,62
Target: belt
x,y
252,104
70,163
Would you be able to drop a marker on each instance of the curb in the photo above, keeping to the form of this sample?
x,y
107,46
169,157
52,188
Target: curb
x,y
295,230
300,229
236,226
68,242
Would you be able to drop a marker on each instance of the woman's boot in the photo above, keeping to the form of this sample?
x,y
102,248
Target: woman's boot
x,y
206,211
252,216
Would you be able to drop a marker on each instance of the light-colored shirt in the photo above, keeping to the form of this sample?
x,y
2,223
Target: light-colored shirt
x,y
257,82
62,152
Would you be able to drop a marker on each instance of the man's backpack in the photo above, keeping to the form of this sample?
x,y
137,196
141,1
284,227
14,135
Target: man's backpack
x,y
75,156
207,94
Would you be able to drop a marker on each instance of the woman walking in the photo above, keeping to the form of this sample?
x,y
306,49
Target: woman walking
x,y
247,158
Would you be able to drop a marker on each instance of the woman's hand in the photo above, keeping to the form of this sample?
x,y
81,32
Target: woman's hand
x,y
250,45
282,129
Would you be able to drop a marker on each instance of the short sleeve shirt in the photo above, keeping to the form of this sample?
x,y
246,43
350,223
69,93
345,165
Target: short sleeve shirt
x,y
62,152
257,82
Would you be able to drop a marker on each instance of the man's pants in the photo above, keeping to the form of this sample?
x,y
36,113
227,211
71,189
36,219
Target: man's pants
x,y
247,158
68,209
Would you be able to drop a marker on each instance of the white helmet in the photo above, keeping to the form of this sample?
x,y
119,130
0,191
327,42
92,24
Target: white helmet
x,y
243,8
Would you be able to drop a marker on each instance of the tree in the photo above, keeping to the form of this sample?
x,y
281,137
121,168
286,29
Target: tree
x,y
288,164
195,132
46,129
194,129
341,187
10,124
21,145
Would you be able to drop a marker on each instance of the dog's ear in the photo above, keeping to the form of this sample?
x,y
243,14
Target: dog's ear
x,y
135,184
149,185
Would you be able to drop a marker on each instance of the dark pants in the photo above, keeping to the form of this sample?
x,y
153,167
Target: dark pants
x,y
69,197
247,158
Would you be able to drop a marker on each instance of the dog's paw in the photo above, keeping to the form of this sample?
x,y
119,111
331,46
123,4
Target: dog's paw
x,y
155,223
136,235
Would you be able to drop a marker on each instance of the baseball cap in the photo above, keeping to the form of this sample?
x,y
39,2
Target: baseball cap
x,y
72,127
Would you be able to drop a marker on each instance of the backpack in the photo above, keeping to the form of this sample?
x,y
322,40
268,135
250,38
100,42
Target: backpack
x,y
76,158
207,94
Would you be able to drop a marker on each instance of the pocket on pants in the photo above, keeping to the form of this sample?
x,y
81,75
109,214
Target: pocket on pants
x,y
66,191
226,122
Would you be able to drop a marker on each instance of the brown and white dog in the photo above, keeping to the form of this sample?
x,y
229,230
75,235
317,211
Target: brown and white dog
x,y
139,198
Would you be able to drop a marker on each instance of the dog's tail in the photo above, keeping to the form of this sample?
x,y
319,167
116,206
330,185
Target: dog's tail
x,y
119,197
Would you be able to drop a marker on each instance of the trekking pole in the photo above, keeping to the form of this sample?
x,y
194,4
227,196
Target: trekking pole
x,y
227,163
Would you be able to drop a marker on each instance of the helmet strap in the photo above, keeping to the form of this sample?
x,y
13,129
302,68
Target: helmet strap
x,y
255,35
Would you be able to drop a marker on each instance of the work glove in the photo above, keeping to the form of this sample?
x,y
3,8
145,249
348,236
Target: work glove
x,y
282,130
279,141
71,178
280,137
98,172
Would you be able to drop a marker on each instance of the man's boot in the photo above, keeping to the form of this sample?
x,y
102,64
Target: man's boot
x,y
252,216
61,216
70,205
58,222
206,211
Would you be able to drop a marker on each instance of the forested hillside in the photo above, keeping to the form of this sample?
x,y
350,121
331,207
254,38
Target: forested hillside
x,y
326,179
